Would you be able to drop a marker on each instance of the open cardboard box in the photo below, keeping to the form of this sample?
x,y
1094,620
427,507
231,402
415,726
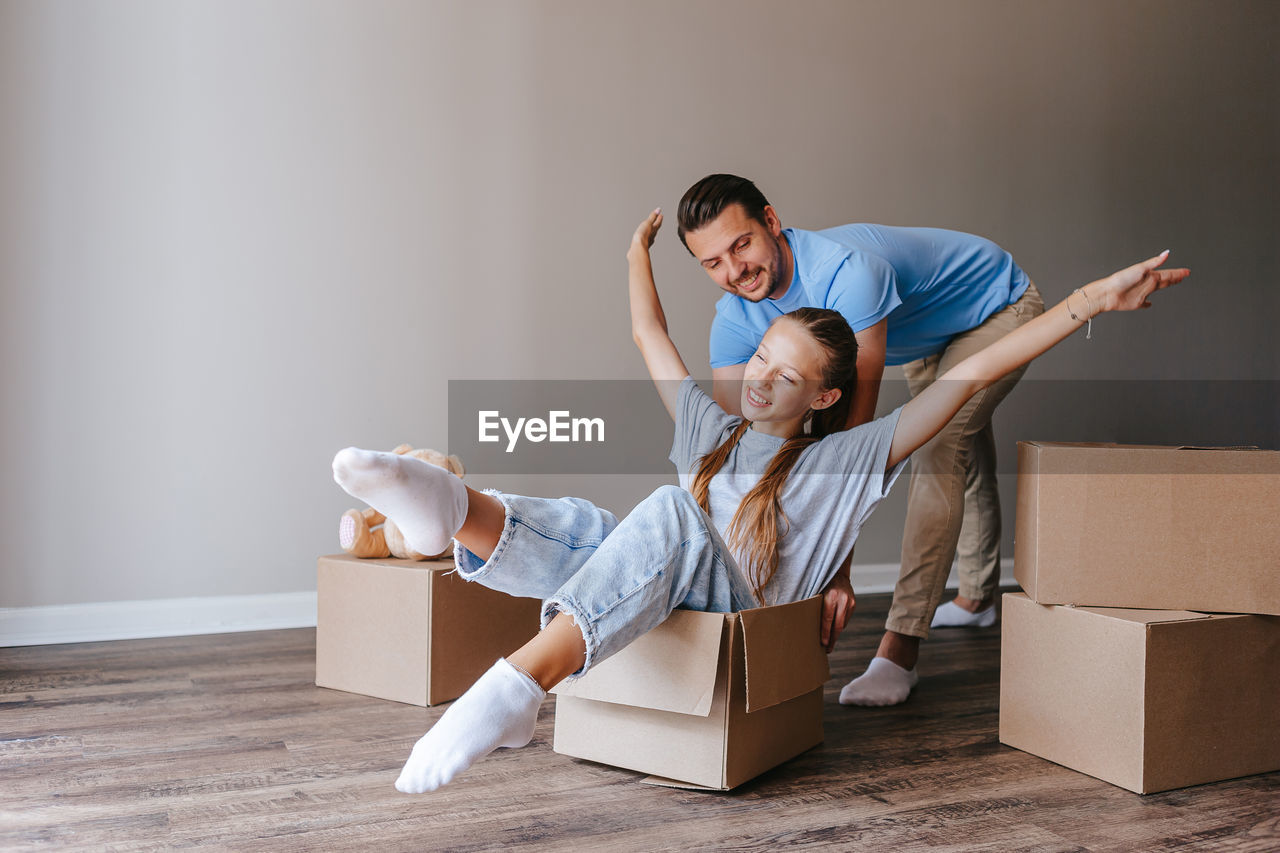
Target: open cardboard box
x,y
411,631
1166,528
705,700
1145,699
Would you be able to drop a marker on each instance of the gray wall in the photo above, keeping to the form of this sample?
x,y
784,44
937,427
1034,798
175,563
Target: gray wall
x,y
235,237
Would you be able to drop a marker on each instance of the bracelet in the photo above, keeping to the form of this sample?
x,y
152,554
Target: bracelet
x,y
1088,321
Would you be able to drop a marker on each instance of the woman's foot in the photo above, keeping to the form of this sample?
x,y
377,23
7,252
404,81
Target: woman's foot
x,y
427,502
499,710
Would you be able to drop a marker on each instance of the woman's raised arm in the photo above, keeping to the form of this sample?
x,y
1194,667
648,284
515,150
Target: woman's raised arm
x,y
929,411
648,323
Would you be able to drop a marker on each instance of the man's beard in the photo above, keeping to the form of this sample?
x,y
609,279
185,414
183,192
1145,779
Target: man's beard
x,y
772,272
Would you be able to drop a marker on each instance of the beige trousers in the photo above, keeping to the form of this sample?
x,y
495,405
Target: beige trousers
x,y
953,506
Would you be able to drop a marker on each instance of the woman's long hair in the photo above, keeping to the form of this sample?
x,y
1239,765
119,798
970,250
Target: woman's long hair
x,y
759,524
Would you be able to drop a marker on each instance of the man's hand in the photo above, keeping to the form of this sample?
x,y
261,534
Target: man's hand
x,y
837,606
642,240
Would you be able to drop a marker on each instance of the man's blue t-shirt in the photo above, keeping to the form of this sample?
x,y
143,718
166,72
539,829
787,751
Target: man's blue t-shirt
x,y
932,284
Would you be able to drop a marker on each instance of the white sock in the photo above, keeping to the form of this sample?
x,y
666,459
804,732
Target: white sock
x,y
952,615
499,710
425,501
884,683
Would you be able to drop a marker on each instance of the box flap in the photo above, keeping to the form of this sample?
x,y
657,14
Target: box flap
x,y
783,651
671,668
1144,617
664,782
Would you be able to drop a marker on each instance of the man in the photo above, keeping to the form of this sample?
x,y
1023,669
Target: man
x,y
923,298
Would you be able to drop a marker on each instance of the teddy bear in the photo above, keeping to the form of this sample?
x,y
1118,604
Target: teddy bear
x,y
368,534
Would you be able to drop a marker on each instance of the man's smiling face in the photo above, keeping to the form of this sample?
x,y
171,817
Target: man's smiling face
x,y
742,255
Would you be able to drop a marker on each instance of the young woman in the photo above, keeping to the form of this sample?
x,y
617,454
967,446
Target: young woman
x,y
723,542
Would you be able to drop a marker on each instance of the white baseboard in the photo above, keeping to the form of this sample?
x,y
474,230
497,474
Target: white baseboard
x,y
882,577
168,617
177,617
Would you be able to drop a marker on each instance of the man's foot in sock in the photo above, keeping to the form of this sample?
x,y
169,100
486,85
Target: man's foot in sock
x,y
499,710
952,615
884,683
427,503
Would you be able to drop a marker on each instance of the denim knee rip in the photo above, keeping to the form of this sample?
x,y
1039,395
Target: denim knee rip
x,y
468,565
564,604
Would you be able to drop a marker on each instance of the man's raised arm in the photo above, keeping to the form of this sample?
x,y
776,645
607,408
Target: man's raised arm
x,y
871,344
726,387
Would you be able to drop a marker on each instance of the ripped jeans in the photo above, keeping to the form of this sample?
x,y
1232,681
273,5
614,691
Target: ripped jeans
x,y
616,579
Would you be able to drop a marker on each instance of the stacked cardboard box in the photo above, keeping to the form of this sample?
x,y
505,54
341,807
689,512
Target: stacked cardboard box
x,y
1146,648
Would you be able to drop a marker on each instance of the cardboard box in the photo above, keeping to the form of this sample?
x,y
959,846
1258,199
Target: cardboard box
x,y
1145,699
1166,528
705,700
410,631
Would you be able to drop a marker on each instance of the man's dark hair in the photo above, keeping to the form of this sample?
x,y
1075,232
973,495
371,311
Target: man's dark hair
x,y
705,200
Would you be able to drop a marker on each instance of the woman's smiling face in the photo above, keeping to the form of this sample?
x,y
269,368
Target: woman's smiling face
x,y
783,379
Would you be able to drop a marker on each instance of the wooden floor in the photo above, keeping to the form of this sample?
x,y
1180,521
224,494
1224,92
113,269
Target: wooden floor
x,y
224,741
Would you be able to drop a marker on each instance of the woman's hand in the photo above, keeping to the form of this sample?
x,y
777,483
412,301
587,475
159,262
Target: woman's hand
x,y
838,603
1129,288
647,230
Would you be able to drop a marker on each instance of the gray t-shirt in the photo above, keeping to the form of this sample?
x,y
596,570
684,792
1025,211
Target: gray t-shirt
x,y
830,493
